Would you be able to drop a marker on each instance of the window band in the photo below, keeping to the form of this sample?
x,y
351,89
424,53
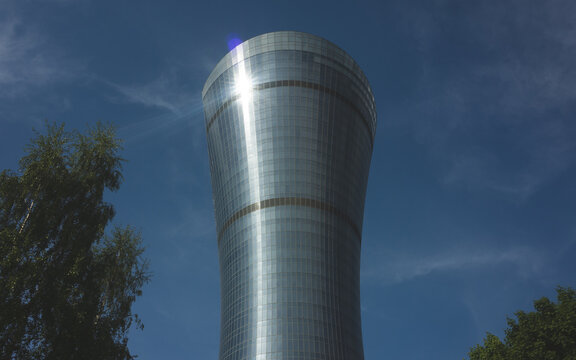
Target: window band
x,y
290,201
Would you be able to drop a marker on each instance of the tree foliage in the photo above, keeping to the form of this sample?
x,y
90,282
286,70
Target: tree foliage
x,y
66,287
549,333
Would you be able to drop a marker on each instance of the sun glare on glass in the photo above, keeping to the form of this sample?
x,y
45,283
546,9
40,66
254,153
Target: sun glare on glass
x,y
244,86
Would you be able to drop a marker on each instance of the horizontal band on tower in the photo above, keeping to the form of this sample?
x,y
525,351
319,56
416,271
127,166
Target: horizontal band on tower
x,y
290,201
295,83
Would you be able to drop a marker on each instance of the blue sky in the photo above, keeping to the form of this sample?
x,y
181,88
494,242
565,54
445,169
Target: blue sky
x,y
471,205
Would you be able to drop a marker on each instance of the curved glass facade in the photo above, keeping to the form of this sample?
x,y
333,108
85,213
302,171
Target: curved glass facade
x,y
290,121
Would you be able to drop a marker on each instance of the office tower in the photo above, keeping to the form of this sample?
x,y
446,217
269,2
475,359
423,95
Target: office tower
x,y
290,121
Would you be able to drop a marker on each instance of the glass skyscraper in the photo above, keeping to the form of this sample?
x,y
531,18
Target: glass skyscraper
x,y
290,121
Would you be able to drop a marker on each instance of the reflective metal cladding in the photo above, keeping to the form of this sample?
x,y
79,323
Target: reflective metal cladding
x,y
290,121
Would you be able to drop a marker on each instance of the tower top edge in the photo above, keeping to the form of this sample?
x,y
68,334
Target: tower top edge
x,y
278,41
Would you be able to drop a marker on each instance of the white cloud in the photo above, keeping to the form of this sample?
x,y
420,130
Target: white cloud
x,y
27,61
169,91
518,95
397,268
540,154
155,94
172,93
189,118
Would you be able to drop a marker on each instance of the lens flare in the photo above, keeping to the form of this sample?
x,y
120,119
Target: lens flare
x,y
233,40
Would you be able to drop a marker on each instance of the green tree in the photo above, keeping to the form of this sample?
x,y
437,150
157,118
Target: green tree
x,y
549,333
66,287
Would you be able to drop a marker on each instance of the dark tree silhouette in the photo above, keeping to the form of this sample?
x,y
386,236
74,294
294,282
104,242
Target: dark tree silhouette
x,y
549,333
66,287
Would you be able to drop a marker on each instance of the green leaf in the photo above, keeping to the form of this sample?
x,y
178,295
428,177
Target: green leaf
x,y
67,288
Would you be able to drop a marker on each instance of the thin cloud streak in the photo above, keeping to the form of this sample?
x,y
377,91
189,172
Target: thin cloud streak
x,y
168,92
179,106
163,123
399,268
521,95
27,61
32,66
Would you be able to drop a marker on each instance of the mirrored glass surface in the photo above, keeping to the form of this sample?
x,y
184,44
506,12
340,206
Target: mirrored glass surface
x,y
290,122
